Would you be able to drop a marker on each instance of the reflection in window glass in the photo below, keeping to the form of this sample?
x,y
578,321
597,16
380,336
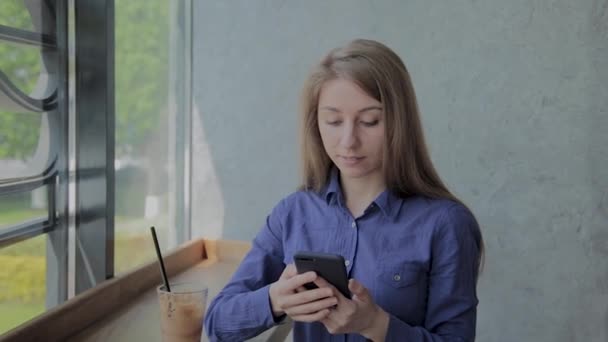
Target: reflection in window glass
x,y
23,265
19,135
19,132
22,281
21,64
21,207
13,13
142,68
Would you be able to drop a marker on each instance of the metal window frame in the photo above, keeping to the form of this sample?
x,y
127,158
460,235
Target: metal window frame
x,y
48,17
20,36
57,251
94,103
93,176
180,120
94,156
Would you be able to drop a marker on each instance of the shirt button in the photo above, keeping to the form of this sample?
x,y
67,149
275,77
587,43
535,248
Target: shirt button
x,y
396,277
354,225
347,262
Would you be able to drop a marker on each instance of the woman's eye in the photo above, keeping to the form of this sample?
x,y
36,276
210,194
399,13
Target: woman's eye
x,y
333,123
370,123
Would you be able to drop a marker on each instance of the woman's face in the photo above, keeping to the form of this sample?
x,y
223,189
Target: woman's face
x,y
351,124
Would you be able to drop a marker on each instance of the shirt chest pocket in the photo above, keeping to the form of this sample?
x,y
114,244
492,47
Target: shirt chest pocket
x,y
400,277
401,291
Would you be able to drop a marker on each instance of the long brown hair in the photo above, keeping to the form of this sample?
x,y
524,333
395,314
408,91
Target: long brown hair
x,y
380,72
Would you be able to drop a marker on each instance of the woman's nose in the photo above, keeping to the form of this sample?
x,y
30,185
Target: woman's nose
x,y
349,137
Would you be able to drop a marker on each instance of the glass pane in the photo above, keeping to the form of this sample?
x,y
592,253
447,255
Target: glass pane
x,y
19,132
142,71
21,64
21,207
19,135
22,282
23,265
13,13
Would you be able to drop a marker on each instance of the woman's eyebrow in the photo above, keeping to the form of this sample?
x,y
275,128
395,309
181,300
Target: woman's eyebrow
x,y
336,110
370,108
331,109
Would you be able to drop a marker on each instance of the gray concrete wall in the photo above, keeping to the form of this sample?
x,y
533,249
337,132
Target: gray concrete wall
x,y
514,98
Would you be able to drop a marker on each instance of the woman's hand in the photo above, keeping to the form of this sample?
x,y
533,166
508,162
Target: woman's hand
x,y
360,315
288,296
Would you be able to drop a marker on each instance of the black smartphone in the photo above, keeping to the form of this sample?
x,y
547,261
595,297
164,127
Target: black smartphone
x,y
328,266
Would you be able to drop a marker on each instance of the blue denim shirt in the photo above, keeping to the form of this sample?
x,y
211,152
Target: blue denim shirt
x,y
417,256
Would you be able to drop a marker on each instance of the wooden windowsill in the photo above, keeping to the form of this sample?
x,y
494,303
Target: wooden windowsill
x,y
125,308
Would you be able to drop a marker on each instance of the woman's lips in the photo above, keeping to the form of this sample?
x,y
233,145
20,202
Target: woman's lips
x,y
350,161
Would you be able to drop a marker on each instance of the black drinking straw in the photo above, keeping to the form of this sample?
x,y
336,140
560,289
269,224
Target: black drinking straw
x,y
160,260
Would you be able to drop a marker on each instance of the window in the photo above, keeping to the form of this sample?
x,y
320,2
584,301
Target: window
x,y
20,129
152,97
22,282
28,164
94,143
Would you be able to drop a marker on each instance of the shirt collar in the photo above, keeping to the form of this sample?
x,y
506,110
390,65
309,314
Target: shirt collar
x,y
387,201
332,189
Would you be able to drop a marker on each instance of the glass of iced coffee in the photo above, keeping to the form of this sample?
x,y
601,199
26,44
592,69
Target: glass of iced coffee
x,y
182,311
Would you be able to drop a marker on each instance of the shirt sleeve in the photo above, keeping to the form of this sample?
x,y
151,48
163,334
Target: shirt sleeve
x,y
242,309
452,299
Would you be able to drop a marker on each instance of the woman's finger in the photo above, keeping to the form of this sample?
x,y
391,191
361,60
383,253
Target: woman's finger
x,y
299,280
306,297
359,291
322,283
289,272
312,307
312,317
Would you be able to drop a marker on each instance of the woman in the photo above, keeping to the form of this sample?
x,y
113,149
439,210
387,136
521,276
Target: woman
x,y
371,194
